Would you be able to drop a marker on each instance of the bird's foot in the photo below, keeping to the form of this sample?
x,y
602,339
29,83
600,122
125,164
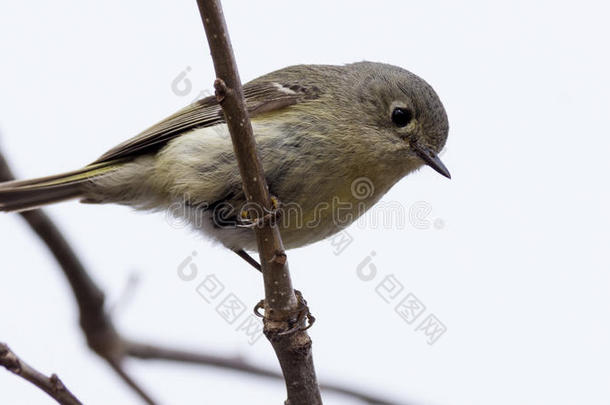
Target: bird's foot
x,y
301,318
269,218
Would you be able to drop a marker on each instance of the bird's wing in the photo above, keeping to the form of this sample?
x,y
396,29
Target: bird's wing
x,y
261,97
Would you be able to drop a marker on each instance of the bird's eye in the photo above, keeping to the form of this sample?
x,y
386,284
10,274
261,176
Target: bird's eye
x,y
401,117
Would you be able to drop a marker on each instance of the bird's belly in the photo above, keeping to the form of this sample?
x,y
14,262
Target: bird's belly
x,y
301,222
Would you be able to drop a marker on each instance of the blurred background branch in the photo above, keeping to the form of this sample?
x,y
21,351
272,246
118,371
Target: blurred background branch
x,y
101,334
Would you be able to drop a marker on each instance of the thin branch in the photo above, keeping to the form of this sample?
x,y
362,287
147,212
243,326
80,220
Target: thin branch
x,y
237,363
283,308
51,385
97,326
118,368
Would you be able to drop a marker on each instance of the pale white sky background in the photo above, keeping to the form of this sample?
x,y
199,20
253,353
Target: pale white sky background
x,y
518,271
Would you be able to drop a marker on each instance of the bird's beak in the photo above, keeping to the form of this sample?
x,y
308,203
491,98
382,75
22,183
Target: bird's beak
x,y
431,159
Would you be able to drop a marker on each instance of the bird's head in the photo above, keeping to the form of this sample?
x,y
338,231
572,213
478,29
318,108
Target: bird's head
x,y
403,112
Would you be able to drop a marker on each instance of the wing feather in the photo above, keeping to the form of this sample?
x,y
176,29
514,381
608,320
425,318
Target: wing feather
x,y
261,97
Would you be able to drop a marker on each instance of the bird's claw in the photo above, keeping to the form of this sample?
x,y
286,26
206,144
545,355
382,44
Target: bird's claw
x,y
304,318
270,218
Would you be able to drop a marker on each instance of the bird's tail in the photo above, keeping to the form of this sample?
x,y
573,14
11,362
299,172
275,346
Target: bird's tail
x,y
24,195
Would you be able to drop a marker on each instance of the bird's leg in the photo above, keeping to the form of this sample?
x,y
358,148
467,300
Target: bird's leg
x,y
244,255
270,217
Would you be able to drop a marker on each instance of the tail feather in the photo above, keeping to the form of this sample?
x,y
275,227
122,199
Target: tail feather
x,y
24,195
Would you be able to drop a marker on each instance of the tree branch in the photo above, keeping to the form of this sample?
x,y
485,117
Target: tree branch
x,y
237,363
51,385
95,323
101,334
283,309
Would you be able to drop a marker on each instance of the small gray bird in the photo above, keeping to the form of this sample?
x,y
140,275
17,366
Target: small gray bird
x,y
326,135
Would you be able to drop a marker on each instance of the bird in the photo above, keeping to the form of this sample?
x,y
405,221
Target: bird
x,y
326,135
